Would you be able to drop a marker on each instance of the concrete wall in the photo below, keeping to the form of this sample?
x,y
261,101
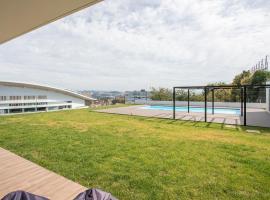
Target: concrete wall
x,y
201,104
51,96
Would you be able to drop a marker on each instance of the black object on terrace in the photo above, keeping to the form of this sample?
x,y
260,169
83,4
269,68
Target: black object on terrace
x,y
90,194
22,195
243,96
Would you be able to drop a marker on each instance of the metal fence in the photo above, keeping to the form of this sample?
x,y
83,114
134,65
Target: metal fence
x,y
243,91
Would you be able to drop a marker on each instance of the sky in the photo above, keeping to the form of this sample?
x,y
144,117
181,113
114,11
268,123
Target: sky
x,y
129,45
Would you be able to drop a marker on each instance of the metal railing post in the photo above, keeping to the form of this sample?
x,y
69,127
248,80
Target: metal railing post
x,y
188,100
242,101
213,101
245,105
173,103
205,104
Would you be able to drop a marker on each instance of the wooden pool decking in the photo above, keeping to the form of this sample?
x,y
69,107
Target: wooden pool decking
x,y
17,173
255,117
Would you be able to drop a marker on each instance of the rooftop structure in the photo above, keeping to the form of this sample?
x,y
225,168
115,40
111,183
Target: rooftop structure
x,y
26,97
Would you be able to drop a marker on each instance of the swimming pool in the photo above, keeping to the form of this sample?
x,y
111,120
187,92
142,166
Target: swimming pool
x,y
230,111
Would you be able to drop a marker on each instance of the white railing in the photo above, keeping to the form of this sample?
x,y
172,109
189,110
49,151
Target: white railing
x,y
33,105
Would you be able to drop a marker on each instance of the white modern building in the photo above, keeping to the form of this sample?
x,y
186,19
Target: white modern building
x,y
25,97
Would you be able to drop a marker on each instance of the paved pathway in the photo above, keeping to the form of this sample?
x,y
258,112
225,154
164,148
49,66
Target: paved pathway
x,y
255,117
17,173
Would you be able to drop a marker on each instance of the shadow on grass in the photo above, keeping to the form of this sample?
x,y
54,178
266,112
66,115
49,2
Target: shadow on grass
x,y
195,123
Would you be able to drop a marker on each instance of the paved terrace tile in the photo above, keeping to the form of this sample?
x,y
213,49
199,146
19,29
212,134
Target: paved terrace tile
x,y
255,117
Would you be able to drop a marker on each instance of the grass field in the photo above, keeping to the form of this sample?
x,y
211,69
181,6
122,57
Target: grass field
x,y
142,158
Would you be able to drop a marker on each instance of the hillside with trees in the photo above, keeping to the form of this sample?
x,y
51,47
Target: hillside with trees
x,y
223,95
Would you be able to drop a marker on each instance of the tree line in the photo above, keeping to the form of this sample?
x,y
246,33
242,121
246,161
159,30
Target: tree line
x,y
223,95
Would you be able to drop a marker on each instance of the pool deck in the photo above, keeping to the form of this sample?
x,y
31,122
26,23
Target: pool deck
x,y
17,173
255,117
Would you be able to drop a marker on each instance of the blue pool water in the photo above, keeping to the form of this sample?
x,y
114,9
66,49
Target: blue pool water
x,y
231,111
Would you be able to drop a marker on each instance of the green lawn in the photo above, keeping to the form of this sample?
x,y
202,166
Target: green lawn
x,y
143,158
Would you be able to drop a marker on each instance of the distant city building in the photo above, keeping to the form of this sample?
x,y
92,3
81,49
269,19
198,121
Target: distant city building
x,y
117,96
25,97
86,93
133,95
106,94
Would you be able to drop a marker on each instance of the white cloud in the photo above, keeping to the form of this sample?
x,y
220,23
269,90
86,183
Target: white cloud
x,y
127,44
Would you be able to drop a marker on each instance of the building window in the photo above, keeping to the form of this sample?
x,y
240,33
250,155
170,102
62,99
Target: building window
x,y
42,97
29,97
13,98
15,104
3,98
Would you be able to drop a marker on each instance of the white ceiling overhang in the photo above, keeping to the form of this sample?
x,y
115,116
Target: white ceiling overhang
x,y
21,16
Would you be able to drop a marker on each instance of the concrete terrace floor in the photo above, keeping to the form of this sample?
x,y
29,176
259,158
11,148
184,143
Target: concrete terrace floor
x,y
18,173
255,117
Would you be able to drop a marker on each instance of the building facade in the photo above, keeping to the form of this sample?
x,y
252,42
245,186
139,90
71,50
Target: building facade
x,y
25,97
132,96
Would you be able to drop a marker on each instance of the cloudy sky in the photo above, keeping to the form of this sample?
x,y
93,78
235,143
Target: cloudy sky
x,y
127,45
